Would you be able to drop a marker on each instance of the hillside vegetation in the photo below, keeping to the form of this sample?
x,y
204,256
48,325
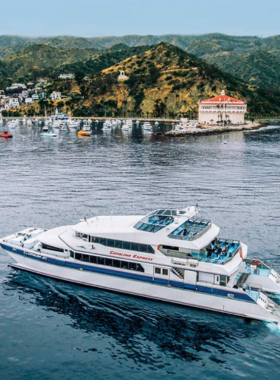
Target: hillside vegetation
x,y
163,81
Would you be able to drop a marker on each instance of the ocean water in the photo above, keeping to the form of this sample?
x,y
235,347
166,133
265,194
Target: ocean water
x,y
55,330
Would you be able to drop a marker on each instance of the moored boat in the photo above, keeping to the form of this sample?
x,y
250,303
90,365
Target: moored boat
x,y
84,132
48,134
6,135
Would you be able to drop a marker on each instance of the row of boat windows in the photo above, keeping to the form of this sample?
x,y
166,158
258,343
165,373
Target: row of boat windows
x,y
117,243
107,261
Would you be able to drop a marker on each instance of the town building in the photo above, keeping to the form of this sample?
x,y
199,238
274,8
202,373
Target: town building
x,y
66,76
122,76
28,101
35,97
13,103
222,110
16,86
55,95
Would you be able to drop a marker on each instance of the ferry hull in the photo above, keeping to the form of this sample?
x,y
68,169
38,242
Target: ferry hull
x,y
157,292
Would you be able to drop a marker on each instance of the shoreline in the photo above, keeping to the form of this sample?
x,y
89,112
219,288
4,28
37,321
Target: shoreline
x,y
207,130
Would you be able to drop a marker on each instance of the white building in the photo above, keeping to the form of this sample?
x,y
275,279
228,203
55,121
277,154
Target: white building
x,y
66,76
55,95
28,101
222,109
13,102
35,97
122,76
17,86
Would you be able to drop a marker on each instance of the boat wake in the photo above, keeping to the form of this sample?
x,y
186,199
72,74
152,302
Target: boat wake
x,y
273,327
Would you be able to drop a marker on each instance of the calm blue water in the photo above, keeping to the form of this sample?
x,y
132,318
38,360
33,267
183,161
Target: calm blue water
x,y
53,330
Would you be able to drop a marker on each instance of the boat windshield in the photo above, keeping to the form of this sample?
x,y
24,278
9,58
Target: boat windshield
x,y
191,229
157,220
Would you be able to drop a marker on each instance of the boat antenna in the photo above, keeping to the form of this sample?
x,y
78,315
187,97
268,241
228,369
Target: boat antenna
x,y
196,207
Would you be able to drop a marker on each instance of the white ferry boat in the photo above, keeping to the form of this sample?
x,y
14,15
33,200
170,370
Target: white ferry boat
x,y
167,255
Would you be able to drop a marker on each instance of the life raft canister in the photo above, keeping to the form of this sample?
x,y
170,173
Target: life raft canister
x,y
241,253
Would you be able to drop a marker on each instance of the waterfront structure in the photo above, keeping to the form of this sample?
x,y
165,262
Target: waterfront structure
x,y
168,255
222,110
122,76
55,95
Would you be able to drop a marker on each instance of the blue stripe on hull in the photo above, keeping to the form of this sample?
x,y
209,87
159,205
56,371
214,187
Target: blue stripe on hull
x,y
133,276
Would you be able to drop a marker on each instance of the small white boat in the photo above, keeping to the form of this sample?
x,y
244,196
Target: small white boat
x,y
179,127
48,134
63,128
12,124
147,126
29,123
156,123
126,127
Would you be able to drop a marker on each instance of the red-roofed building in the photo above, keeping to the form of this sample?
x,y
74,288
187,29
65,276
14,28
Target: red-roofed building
x,y
222,109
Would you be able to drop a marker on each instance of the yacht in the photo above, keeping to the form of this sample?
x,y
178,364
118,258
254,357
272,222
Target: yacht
x,y
147,126
12,124
168,255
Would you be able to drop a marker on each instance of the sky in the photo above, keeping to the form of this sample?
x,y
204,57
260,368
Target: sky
x,y
92,18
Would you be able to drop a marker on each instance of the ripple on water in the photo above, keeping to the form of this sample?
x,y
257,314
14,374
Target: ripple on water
x,y
54,330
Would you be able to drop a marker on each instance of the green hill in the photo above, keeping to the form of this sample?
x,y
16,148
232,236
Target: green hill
x,y
165,80
39,60
101,61
260,68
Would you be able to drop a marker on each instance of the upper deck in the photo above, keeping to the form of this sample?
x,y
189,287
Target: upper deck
x,y
159,227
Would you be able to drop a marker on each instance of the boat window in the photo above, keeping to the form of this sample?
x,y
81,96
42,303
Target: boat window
x,y
165,272
50,248
72,254
134,246
132,266
78,256
101,261
118,244
157,220
93,259
223,280
126,245
123,244
110,243
108,262
191,229
170,248
158,270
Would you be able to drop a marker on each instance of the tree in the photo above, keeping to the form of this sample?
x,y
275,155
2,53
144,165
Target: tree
x,y
79,76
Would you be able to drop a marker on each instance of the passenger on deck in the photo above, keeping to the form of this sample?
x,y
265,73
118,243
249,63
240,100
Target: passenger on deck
x,y
209,251
218,249
225,250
